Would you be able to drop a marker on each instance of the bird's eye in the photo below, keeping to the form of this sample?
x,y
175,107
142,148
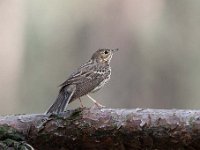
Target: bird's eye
x,y
106,52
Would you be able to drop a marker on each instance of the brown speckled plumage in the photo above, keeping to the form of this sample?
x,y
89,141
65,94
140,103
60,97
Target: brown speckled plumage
x,y
89,77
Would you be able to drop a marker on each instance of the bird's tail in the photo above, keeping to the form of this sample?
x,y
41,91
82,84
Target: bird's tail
x,y
61,101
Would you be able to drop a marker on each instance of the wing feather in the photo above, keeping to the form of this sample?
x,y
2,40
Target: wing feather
x,y
83,73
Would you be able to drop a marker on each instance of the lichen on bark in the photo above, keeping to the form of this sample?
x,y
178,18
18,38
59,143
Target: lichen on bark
x,y
95,128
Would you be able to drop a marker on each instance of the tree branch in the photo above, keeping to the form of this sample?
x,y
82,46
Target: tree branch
x,y
107,129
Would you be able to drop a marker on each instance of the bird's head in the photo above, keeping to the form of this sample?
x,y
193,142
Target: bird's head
x,y
103,55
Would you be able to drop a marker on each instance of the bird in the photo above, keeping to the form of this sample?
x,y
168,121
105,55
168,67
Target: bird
x,y
88,78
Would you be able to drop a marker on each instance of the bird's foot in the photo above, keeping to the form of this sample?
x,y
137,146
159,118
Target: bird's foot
x,y
96,103
81,103
99,105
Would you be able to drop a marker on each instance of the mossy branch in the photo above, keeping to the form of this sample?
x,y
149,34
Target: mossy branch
x,y
104,129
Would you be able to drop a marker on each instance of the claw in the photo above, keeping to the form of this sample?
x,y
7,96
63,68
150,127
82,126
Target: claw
x,y
96,103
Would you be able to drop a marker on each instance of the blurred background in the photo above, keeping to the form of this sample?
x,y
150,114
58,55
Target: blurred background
x,y
43,42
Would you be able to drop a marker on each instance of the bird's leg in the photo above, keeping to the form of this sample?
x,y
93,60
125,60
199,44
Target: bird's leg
x,y
81,102
98,104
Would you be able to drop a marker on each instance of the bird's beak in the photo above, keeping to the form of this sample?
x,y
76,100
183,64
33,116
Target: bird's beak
x,y
114,50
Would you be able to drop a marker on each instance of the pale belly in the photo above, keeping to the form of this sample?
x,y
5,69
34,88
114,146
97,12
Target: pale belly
x,y
101,85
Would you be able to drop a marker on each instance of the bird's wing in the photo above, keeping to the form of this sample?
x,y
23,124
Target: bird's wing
x,y
84,73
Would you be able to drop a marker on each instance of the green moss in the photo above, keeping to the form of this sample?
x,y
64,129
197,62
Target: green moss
x,y
191,121
73,114
76,113
11,138
9,132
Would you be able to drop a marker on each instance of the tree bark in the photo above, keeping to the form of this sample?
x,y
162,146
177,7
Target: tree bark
x,y
96,128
